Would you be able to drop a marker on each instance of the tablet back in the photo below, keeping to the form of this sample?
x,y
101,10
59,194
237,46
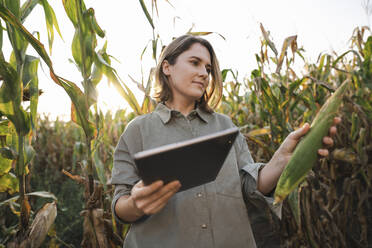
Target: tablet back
x,y
193,162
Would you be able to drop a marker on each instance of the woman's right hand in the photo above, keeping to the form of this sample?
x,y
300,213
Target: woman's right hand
x,y
150,199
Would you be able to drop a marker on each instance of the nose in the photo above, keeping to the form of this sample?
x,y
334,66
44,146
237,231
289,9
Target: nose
x,y
203,72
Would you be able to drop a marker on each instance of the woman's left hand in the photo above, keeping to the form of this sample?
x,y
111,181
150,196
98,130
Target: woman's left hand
x,y
290,143
269,174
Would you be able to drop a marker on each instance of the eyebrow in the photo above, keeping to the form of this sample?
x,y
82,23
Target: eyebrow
x,y
199,59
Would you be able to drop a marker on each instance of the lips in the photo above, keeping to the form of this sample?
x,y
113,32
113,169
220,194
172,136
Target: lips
x,y
198,83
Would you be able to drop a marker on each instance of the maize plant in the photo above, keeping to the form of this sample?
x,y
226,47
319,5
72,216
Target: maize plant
x,y
93,65
337,191
19,85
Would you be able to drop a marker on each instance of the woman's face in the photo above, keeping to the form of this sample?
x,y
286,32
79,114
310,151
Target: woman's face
x,y
189,76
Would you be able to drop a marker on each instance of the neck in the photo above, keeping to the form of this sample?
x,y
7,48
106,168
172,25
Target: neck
x,y
184,107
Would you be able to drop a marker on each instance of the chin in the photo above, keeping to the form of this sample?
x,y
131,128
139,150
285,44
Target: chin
x,y
197,97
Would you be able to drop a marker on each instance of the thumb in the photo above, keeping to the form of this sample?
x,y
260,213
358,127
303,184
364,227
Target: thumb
x,y
296,135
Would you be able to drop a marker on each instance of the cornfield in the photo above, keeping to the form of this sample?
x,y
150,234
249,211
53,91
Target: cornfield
x,y
43,163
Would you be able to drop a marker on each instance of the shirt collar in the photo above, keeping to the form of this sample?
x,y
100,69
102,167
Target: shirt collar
x,y
165,113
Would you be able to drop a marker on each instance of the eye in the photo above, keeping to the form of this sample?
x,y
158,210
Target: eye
x,y
195,62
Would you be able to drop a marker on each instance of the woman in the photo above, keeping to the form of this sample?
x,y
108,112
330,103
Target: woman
x,y
210,215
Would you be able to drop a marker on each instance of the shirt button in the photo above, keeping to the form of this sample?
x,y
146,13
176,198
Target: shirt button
x,y
199,195
204,226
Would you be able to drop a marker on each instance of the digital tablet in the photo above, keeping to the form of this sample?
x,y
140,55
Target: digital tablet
x,y
193,162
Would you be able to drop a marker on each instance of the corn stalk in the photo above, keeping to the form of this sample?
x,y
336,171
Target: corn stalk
x,y
20,83
93,65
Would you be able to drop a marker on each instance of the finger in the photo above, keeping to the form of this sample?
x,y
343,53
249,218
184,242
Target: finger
x,y
172,186
143,191
155,210
139,184
160,201
147,200
332,130
337,120
300,132
323,152
328,141
174,183
157,205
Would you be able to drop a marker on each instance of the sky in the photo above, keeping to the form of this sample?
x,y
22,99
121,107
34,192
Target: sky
x,y
321,26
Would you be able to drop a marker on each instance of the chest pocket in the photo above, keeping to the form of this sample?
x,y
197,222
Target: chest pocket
x,y
228,180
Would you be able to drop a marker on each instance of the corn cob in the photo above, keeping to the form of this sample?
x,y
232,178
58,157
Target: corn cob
x,y
305,154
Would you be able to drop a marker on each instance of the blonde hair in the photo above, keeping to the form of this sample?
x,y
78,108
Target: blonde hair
x,y
212,95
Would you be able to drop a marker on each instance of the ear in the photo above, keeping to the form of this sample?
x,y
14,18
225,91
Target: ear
x,y
166,67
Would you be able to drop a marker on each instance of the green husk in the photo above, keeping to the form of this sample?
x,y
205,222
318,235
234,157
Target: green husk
x,y
305,154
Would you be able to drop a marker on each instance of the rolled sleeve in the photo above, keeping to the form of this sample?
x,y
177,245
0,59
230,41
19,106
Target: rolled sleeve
x,y
120,190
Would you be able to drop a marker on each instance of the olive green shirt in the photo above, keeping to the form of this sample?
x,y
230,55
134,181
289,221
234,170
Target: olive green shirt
x,y
210,215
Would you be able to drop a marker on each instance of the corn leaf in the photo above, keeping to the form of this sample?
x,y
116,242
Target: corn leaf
x,y
76,49
71,11
90,92
139,85
289,41
357,56
8,153
18,43
5,163
96,75
103,61
259,132
51,22
74,92
100,168
81,14
39,47
199,33
149,82
10,98
29,154
11,139
268,40
1,36
98,30
327,70
147,13
4,129
31,78
27,8
84,42
88,41
367,63
43,194
80,104
13,6
9,183
154,47
146,105
294,204
6,103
